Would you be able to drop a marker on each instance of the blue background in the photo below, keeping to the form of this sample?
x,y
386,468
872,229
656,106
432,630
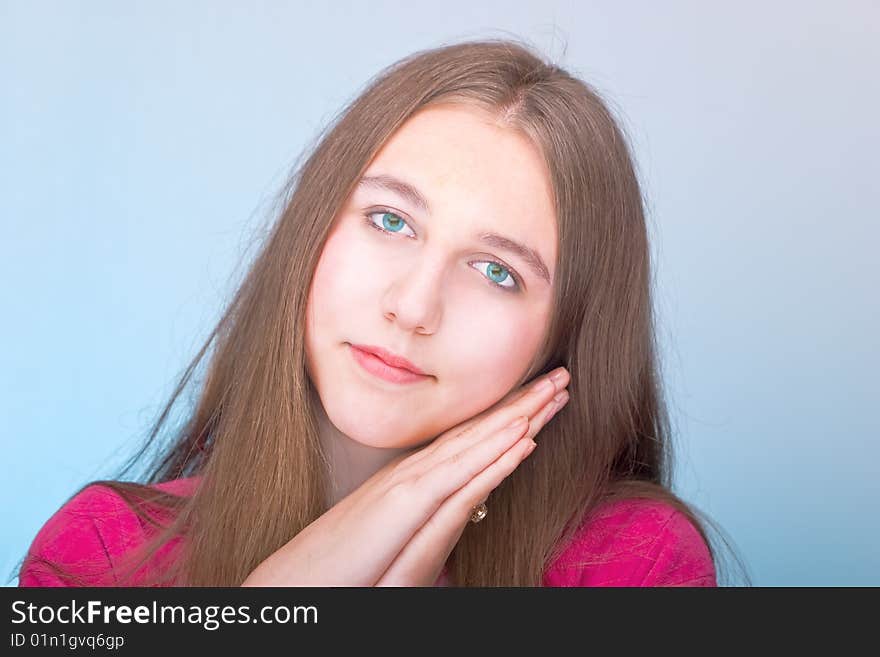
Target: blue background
x,y
142,144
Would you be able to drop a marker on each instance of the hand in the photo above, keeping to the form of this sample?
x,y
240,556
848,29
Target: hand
x,y
400,525
423,558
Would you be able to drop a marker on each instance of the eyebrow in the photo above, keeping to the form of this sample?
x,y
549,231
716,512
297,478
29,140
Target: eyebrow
x,y
409,193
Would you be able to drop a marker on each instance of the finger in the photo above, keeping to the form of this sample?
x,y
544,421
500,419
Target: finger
x,y
428,489
460,467
414,504
422,559
546,414
536,406
461,503
509,401
529,403
443,478
526,401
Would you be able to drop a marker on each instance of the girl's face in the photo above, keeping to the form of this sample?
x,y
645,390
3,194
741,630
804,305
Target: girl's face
x,y
405,268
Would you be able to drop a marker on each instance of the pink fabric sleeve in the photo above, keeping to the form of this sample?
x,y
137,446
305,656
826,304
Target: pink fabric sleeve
x,y
72,538
635,542
88,535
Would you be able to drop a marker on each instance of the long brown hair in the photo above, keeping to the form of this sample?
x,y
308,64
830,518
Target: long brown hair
x,y
252,435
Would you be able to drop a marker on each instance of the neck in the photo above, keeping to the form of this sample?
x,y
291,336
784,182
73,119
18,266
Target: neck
x,y
350,463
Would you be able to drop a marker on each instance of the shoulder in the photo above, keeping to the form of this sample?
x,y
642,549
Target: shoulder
x,y
634,542
86,536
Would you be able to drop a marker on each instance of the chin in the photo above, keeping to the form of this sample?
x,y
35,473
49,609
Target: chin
x,y
368,431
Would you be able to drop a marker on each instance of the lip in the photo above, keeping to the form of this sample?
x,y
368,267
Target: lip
x,y
376,361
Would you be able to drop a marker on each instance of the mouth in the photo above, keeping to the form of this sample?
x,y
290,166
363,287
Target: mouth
x,y
376,361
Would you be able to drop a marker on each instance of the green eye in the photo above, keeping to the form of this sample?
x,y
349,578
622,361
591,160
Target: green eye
x,y
499,275
391,222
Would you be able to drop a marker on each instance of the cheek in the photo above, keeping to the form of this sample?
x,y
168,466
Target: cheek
x,y
492,352
331,303
340,281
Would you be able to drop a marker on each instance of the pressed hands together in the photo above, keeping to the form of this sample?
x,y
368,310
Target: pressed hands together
x,y
421,501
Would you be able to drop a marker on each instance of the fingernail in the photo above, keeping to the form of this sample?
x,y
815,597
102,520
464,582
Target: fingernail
x,y
531,447
560,396
559,405
559,375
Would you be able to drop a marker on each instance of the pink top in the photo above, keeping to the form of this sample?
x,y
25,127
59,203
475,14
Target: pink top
x,y
630,542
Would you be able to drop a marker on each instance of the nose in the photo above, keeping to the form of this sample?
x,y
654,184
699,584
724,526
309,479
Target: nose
x,y
413,300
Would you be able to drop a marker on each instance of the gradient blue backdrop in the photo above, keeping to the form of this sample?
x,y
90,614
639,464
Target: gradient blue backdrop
x,y
141,144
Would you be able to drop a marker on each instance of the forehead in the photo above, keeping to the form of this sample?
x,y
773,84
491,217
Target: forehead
x,y
473,171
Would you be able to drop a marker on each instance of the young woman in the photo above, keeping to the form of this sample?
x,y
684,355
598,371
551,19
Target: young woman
x,y
465,248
